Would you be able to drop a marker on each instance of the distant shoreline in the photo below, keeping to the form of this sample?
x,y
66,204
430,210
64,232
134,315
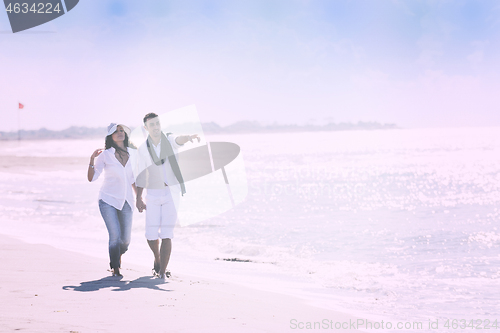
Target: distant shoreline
x,y
76,132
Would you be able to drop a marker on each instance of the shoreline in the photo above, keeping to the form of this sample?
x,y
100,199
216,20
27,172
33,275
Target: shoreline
x,y
46,198
48,289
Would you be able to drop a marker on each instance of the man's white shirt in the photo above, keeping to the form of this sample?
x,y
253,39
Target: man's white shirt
x,y
145,161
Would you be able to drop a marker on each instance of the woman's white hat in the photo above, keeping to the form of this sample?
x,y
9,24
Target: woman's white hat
x,y
112,128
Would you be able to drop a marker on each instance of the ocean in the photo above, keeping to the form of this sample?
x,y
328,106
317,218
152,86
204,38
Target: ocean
x,y
395,224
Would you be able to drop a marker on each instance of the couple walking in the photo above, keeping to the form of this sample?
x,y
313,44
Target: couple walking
x,y
161,177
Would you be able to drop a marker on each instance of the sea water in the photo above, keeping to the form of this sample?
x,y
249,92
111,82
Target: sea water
x,y
389,224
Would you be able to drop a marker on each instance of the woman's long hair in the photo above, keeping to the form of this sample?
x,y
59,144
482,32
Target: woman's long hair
x,y
109,142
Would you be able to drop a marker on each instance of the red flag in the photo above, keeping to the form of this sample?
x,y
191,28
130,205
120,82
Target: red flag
x,y
21,106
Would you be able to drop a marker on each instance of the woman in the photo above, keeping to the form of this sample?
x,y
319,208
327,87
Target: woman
x,y
116,198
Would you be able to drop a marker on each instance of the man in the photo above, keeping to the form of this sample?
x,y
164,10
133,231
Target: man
x,y
162,178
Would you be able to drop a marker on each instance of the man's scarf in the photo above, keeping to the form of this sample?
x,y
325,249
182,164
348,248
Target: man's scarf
x,y
166,150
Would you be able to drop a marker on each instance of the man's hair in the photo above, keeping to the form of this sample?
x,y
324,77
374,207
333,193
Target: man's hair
x,y
149,116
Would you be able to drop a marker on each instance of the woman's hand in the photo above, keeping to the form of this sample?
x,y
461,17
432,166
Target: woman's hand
x,y
90,173
96,153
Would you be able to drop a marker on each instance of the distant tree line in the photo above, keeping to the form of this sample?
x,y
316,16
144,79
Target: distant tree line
x,y
255,127
73,132
76,132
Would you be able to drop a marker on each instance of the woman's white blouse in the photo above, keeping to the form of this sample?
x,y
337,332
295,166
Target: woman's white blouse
x,y
118,179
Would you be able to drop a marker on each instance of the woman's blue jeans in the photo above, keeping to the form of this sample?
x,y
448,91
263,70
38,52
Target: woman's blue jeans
x,y
119,225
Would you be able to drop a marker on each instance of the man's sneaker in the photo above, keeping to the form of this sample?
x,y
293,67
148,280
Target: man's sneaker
x,y
156,269
165,276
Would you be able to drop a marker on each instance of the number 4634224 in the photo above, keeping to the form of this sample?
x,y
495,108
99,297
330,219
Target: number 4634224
x,y
471,324
36,8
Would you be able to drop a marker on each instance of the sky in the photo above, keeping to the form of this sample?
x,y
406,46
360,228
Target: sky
x,y
412,63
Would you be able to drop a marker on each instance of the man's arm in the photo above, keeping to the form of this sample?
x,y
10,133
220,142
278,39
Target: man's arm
x,y
182,139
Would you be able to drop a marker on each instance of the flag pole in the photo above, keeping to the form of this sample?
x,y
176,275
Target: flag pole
x,y
18,122
19,107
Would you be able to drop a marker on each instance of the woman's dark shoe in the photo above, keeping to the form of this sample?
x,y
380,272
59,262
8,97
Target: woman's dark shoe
x,y
116,272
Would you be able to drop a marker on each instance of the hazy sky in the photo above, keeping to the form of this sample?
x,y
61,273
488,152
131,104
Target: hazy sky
x,y
413,63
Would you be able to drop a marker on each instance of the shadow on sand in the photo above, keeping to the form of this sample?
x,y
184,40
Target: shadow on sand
x,y
118,284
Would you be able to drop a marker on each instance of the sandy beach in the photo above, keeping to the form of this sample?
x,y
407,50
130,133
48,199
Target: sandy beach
x,y
45,289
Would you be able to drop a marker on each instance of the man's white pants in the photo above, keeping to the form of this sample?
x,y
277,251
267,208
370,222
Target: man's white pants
x,y
161,214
